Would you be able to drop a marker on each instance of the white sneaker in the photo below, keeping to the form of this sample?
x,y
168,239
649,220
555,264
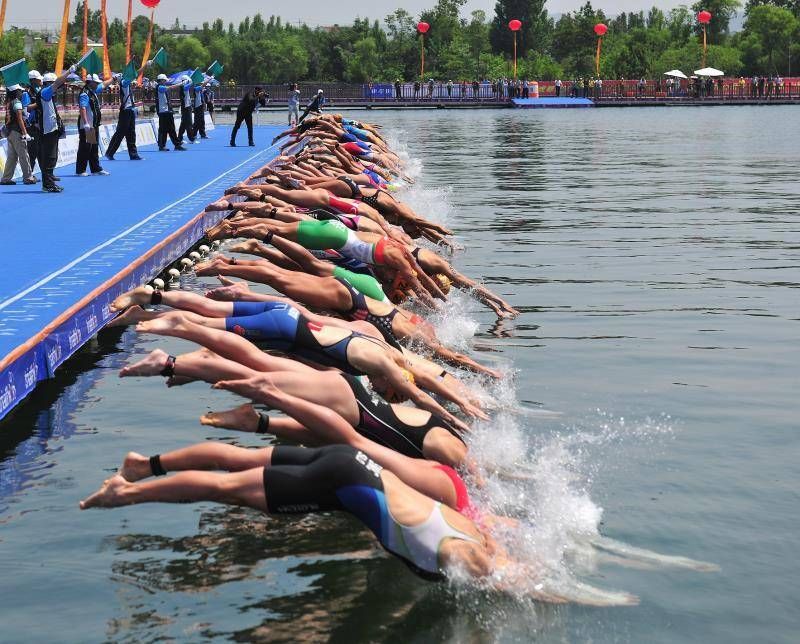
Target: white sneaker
x,y
82,174
196,141
101,173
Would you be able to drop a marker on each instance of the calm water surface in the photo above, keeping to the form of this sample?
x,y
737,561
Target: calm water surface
x,y
654,255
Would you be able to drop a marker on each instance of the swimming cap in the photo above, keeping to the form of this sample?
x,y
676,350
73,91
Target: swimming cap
x,y
443,282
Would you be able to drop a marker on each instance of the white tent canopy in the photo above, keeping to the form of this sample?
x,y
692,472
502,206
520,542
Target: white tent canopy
x,y
675,73
709,71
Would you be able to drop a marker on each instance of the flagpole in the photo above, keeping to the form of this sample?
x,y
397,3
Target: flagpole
x,y
128,39
104,38
2,16
62,40
85,31
146,56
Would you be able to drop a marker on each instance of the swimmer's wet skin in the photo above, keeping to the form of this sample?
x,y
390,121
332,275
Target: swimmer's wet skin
x,y
316,214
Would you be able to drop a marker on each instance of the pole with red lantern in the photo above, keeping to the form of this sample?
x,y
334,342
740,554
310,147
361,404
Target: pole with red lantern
x,y
600,29
704,17
85,32
150,4
422,28
128,34
514,26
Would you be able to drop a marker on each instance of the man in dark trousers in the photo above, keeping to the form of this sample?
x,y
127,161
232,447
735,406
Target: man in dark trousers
x,y
187,112
244,113
166,120
314,107
51,127
29,100
126,122
88,126
199,108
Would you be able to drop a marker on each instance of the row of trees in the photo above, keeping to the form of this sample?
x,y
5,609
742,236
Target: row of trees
x,y
458,47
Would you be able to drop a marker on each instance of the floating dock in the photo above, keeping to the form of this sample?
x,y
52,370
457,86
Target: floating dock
x,y
68,255
551,102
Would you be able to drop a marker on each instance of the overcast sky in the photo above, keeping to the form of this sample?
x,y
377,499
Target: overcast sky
x,y
46,14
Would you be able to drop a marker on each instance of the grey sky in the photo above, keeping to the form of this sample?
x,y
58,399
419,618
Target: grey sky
x,y
46,14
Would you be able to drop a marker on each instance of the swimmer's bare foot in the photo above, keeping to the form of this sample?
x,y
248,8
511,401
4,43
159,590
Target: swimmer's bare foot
x,y
213,266
110,495
230,292
218,206
243,418
165,325
152,365
140,295
135,467
235,188
247,247
223,230
132,315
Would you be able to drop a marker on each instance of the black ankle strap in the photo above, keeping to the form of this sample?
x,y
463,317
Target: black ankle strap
x,y
155,466
156,297
263,423
268,237
169,367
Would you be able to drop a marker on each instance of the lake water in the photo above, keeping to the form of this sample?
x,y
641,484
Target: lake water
x,y
652,398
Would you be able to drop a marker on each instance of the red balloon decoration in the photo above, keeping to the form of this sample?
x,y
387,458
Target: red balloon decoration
x,y
600,29
703,17
423,27
150,4
514,25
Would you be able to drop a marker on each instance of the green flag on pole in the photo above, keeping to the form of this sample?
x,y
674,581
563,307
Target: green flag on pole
x,y
129,73
215,69
198,77
15,73
91,62
161,58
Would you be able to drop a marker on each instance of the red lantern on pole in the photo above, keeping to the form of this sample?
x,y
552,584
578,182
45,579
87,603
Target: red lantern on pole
x,y
422,28
515,25
150,4
600,29
704,17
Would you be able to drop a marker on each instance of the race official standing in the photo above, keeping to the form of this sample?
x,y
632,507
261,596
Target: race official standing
x,y
17,139
29,102
294,104
187,111
199,109
126,122
51,127
244,113
166,119
88,126
314,107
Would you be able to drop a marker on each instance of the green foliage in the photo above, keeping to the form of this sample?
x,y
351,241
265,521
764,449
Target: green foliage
x,y
459,47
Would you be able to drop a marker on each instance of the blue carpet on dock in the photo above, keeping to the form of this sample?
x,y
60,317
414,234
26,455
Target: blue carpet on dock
x,y
551,101
66,256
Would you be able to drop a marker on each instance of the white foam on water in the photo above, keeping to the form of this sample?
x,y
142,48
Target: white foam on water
x,y
539,469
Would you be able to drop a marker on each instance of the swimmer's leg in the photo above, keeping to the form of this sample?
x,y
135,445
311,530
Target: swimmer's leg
x,y
211,455
240,488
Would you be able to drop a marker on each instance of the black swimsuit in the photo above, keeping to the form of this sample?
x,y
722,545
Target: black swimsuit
x,y
360,311
355,191
377,421
334,355
372,200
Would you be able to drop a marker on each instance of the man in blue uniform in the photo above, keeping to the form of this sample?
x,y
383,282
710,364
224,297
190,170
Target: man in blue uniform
x,y
166,119
185,98
88,126
126,122
50,126
29,99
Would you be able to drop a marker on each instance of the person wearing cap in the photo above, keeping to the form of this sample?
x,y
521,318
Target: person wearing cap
x,y
18,138
166,119
51,127
199,109
126,122
314,106
88,126
185,100
244,113
29,100
294,105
